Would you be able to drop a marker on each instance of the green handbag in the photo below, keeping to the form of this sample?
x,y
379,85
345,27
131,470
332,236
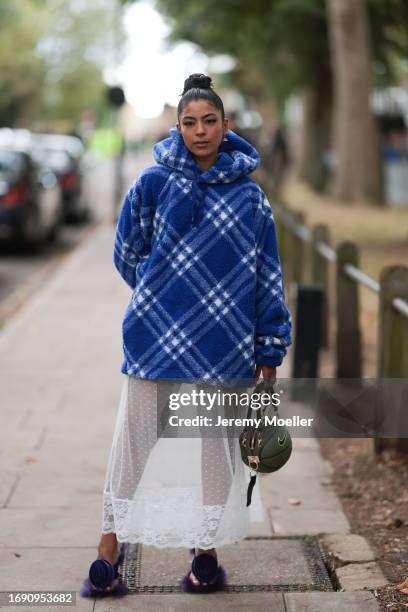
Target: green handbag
x,y
268,447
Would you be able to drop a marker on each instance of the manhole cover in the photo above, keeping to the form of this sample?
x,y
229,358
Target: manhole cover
x,y
277,563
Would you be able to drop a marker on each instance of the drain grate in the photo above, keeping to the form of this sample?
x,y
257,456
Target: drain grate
x,y
309,570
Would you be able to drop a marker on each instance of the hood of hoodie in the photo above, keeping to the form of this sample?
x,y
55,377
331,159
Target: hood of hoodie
x,y
236,158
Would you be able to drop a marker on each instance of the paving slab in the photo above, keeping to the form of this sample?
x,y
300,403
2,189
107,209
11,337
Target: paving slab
x,y
51,527
8,482
15,460
51,459
301,443
351,548
261,528
303,462
81,351
35,386
100,274
92,378
44,568
330,602
82,605
312,521
105,397
308,490
318,509
35,416
359,576
30,492
84,435
241,562
75,443
24,440
83,432
185,602
15,418
302,499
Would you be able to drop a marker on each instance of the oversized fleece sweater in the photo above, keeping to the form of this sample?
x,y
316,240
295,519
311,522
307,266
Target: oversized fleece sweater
x,y
198,248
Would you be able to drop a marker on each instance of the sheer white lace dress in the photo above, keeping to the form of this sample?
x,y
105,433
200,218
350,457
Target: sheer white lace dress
x,y
171,492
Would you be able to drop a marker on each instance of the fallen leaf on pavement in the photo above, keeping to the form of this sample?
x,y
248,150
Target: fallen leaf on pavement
x,y
403,586
395,523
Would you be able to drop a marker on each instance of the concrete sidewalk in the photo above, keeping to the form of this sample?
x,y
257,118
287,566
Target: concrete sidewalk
x,y
60,385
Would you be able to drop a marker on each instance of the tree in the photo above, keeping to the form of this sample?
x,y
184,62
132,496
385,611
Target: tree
x,y
22,73
357,170
76,47
52,57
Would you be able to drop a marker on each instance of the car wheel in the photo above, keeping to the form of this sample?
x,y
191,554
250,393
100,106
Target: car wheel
x,y
54,232
78,216
31,235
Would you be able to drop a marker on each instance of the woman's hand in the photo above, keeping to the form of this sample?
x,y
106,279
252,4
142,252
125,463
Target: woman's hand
x,y
267,372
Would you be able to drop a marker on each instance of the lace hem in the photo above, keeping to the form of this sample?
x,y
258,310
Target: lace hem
x,y
186,522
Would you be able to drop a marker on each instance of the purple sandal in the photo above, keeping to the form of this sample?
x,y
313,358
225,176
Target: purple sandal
x,y
101,575
211,576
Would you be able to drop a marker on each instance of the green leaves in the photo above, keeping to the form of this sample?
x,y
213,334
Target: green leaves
x,y
285,40
52,53
281,40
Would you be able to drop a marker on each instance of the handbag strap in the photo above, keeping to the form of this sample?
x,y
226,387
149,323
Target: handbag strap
x,y
264,386
250,489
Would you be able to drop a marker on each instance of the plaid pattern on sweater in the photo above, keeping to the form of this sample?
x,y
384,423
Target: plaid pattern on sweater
x,y
198,249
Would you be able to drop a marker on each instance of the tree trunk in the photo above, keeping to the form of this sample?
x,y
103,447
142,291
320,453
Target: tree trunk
x,y
315,136
355,137
266,107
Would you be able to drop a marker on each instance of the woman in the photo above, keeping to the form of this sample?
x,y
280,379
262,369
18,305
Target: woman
x,y
196,243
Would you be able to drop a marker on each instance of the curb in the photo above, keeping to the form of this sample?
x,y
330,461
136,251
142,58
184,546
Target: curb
x,y
351,563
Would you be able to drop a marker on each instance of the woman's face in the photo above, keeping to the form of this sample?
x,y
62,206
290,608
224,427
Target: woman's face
x,y
202,129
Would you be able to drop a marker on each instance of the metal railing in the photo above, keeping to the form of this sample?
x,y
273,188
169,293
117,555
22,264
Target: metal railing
x,y
306,254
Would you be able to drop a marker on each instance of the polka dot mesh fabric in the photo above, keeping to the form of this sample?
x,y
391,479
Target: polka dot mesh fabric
x,y
171,492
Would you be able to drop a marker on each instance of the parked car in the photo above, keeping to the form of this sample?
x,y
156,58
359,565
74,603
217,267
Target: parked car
x,y
63,155
30,199
69,176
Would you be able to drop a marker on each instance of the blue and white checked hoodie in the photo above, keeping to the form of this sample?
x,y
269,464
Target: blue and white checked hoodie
x,y
198,248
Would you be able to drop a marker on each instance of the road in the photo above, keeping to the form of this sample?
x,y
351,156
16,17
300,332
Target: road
x,y
22,274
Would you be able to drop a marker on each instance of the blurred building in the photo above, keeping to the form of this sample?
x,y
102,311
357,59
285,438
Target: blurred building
x,y
391,107
139,129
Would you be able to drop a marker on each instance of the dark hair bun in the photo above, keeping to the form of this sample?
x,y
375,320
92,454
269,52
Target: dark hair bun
x,y
197,81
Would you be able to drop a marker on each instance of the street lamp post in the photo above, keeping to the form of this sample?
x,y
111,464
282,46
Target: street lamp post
x,y
116,99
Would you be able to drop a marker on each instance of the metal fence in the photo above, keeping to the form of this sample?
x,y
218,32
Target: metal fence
x,y
306,255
